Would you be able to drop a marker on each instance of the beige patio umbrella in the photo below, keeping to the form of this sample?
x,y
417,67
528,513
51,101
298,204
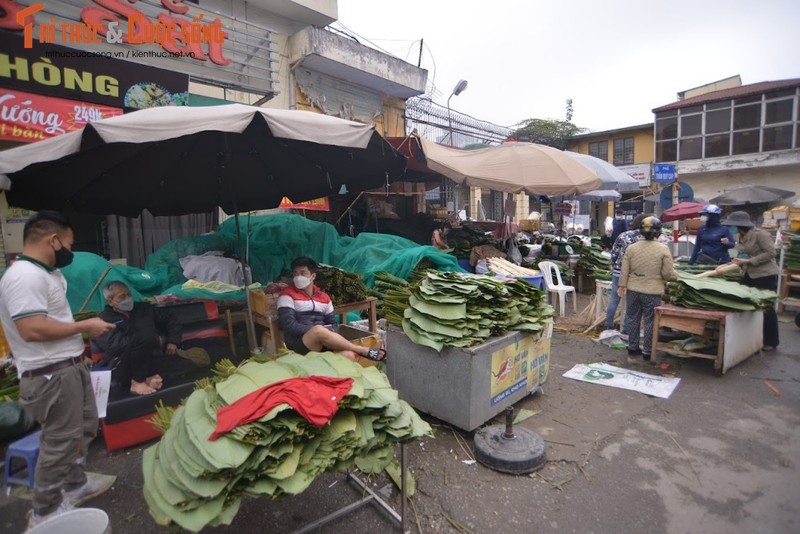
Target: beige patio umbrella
x,y
513,168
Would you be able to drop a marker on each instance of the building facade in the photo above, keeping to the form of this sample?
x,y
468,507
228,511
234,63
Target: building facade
x,y
630,149
726,135
270,53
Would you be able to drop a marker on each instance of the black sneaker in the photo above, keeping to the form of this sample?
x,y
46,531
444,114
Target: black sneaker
x,y
634,352
645,356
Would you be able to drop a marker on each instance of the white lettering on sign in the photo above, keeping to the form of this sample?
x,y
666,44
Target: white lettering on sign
x,y
24,113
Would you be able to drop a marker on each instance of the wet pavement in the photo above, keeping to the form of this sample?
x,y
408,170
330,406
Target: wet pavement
x,y
722,454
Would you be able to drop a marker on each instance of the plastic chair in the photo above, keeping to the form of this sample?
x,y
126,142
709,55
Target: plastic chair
x,y
554,284
26,449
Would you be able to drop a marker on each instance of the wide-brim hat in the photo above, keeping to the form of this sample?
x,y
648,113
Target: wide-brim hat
x,y
738,218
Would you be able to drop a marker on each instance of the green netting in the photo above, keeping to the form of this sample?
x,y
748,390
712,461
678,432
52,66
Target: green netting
x,y
275,240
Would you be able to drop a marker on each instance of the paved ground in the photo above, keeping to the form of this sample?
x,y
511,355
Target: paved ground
x,y
721,455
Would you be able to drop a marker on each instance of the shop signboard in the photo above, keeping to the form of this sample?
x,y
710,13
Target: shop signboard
x,y
641,172
218,47
562,208
317,204
63,72
26,117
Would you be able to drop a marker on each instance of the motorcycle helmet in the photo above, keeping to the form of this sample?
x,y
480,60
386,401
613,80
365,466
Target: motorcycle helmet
x,y
650,227
711,208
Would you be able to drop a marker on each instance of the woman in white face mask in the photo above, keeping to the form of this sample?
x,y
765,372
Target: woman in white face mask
x,y
305,315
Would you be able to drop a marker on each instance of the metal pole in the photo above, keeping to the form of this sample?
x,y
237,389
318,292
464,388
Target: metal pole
x,y
449,121
675,225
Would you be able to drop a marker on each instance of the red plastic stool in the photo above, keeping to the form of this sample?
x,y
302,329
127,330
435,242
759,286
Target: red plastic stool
x,y
27,450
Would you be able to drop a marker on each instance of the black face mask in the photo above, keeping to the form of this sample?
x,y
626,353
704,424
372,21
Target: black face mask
x,y
63,256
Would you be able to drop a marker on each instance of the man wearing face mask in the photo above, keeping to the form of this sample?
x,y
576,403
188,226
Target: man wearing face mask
x,y
305,315
55,385
134,348
713,239
619,225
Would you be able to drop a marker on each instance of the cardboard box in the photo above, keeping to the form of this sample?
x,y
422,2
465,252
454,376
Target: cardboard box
x,y
264,304
529,225
362,339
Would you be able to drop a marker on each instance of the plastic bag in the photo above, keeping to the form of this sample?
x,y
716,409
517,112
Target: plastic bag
x,y
515,254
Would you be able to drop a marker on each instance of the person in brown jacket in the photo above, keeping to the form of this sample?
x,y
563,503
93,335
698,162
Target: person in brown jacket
x,y
646,267
756,257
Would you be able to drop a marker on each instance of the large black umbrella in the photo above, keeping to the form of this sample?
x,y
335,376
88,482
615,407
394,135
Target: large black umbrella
x,y
752,194
179,160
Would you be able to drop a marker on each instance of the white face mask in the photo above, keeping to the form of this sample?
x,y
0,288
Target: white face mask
x,y
125,305
703,218
301,282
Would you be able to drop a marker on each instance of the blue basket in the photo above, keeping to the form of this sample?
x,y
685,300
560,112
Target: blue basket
x,y
537,281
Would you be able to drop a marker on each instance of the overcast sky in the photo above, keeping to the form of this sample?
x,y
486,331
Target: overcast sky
x,y
616,59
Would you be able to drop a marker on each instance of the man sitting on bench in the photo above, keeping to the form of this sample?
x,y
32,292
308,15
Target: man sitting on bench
x,y
134,349
305,314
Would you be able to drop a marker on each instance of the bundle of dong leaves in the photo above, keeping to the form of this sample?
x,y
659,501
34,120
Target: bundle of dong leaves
x,y
463,310
194,482
690,291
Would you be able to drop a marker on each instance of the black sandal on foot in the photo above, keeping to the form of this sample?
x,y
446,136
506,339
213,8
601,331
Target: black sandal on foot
x,y
376,355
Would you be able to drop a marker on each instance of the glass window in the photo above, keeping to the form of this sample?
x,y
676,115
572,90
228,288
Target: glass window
x,y
692,109
777,138
623,151
665,114
719,105
718,121
779,111
666,129
691,124
785,92
747,99
667,151
599,150
718,145
747,117
745,142
691,148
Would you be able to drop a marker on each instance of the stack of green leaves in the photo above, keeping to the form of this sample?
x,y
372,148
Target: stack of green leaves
x,y
592,259
463,310
194,482
792,258
463,238
343,287
393,294
690,291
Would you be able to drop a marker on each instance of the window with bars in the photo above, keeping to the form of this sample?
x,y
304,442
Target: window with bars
x,y
623,151
599,150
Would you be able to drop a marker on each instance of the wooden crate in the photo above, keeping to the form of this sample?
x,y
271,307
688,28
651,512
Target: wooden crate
x,y
362,338
263,303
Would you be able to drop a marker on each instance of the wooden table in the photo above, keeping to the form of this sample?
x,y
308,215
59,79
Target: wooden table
x,y
272,330
739,335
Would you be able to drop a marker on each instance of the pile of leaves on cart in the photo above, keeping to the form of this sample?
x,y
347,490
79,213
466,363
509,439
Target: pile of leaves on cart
x,y
439,309
195,482
692,291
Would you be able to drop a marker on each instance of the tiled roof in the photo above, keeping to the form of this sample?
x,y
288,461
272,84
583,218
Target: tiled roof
x,y
735,92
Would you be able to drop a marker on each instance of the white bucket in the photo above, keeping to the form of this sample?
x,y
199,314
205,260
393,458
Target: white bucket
x,y
79,520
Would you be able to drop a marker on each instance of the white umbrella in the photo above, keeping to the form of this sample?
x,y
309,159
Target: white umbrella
x,y
512,168
612,177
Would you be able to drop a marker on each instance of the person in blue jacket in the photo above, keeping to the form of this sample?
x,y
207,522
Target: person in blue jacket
x,y
713,239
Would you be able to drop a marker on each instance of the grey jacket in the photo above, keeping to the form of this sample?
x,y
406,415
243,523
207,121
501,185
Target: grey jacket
x,y
758,245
